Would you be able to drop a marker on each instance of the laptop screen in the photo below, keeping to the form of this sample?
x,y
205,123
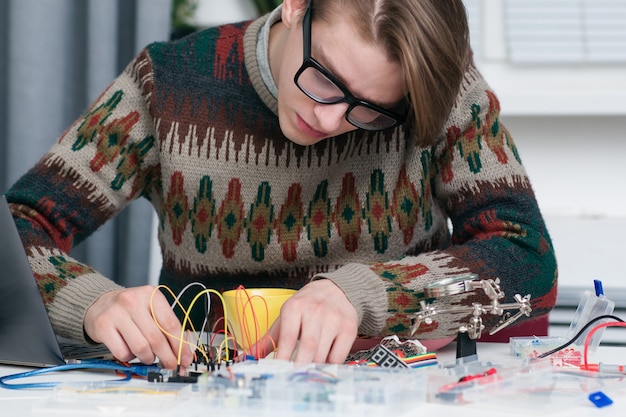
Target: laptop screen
x,y
26,334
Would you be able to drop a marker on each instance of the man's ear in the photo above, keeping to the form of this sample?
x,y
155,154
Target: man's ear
x,y
292,12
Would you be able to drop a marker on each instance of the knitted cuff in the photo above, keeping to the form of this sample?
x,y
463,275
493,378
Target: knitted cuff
x,y
71,303
365,291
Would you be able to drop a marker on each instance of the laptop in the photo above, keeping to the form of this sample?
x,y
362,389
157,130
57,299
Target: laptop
x,y
26,334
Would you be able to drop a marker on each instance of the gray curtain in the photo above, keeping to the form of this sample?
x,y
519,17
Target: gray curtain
x,y
56,57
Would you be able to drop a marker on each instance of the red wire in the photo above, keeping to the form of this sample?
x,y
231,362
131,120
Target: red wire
x,y
257,328
243,324
591,333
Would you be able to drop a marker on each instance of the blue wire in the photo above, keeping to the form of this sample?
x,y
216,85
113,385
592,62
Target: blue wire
x,y
128,370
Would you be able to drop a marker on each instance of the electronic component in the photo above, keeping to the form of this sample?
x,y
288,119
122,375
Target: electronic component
x,y
391,352
600,399
533,346
385,358
465,345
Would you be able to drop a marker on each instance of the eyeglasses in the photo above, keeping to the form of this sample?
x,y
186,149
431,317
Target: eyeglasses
x,y
323,87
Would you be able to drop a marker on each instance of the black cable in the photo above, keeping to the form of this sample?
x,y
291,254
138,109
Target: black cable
x,y
585,327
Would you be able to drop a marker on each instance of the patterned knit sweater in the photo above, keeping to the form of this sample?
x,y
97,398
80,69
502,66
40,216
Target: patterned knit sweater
x,y
191,126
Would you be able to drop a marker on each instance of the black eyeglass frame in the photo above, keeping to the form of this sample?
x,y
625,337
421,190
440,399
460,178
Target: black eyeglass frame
x,y
348,97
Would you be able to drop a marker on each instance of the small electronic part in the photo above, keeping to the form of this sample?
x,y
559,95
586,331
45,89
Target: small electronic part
x,y
391,352
600,399
566,358
533,346
450,382
465,345
185,379
155,376
408,347
385,358
453,392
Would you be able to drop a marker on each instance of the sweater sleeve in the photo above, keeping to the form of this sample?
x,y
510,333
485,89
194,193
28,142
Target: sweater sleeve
x,y
497,230
104,160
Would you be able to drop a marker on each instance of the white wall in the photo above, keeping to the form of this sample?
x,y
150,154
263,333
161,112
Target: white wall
x,y
569,122
217,12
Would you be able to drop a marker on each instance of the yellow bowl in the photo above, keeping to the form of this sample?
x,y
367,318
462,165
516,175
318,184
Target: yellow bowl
x,y
252,311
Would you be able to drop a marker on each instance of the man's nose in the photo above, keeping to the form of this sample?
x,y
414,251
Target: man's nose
x,y
330,116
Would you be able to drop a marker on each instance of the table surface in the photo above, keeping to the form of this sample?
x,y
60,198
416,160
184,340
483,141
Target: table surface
x,y
24,402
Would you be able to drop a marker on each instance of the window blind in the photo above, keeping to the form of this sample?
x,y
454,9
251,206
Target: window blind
x,y
565,31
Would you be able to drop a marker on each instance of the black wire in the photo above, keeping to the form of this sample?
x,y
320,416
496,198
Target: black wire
x,y
585,327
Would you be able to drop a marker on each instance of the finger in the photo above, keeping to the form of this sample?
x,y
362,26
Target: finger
x,y
161,346
267,344
325,341
108,323
139,329
346,335
288,332
137,342
165,339
310,339
118,347
340,349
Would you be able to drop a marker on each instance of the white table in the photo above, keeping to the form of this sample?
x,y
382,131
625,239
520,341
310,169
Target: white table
x,y
21,402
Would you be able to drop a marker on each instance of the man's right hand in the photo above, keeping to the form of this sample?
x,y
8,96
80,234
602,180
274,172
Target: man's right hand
x,y
122,321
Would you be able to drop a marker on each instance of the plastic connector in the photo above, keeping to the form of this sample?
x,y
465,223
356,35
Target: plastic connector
x,y
591,305
155,377
190,379
600,399
184,379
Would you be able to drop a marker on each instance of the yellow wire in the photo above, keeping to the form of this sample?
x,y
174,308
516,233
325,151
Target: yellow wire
x,y
181,339
117,389
198,345
243,324
200,294
223,344
256,321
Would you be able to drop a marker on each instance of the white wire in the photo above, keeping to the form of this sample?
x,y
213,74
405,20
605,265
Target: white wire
x,y
208,304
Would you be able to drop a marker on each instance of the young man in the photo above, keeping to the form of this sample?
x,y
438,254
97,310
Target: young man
x,y
325,147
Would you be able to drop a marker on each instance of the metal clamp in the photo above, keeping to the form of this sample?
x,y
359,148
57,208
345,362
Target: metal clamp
x,y
465,283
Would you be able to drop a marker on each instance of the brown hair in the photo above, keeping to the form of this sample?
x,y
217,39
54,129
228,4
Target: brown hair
x,y
430,41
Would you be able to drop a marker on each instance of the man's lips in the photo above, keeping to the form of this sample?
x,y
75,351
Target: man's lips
x,y
309,130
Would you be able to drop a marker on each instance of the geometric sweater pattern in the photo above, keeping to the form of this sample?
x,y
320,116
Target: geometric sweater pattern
x,y
190,126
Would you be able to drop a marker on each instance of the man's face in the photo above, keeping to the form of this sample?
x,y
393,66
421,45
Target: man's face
x,y
363,68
